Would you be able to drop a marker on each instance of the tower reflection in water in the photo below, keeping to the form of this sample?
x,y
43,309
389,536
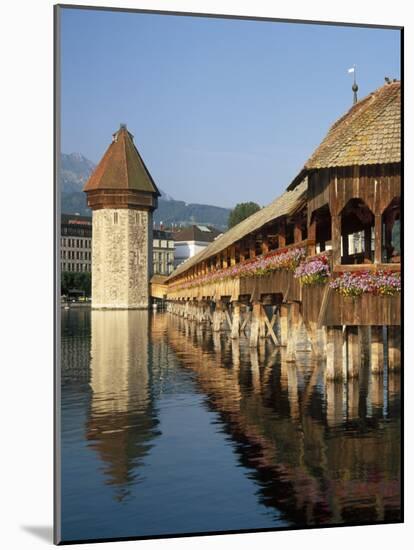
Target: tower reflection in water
x,y
122,423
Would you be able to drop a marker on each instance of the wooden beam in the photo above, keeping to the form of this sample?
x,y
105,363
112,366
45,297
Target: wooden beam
x,y
269,325
282,233
252,247
312,237
233,255
367,244
297,230
336,240
378,239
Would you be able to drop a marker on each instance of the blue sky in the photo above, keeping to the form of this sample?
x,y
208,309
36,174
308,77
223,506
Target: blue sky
x,y
223,111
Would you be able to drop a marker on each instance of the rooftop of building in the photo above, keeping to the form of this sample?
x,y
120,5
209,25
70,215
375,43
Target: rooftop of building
x,y
162,234
199,233
75,219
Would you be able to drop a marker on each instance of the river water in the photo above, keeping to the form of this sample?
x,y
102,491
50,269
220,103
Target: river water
x,y
168,428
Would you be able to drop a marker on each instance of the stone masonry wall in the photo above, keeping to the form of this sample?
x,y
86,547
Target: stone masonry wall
x,y
121,262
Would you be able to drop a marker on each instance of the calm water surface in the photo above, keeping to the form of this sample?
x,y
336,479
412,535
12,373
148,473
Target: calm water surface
x,y
167,428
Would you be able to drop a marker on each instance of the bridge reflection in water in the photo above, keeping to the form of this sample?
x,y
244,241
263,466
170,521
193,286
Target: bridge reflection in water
x,y
159,418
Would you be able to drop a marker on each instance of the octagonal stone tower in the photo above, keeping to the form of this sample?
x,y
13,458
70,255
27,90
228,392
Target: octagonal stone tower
x,y
122,196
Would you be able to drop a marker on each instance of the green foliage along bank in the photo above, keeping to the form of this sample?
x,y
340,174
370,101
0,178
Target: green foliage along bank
x,y
72,281
242,211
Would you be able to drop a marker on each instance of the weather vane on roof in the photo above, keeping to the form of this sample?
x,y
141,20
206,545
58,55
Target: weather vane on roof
x,y
354,85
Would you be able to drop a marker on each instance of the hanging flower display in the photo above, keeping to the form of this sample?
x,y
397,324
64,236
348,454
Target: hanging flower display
x,y
313,271
386,283
262,265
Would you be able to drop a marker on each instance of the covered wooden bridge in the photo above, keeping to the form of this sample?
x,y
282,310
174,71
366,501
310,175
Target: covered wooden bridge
x,y
324,256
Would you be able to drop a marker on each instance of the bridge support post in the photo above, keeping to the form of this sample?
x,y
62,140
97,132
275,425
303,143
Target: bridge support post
x,y
293,326
334,357
353,354
394,347
377,350
235,323
254,324
376,390
283,323
364,334
317,338
262,323
334,401
353,398
218,316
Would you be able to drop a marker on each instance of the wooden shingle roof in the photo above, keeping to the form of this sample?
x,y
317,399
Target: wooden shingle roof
x,y
369,133
121,168
282,206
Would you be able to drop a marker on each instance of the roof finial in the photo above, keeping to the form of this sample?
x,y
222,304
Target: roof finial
x,y
354,85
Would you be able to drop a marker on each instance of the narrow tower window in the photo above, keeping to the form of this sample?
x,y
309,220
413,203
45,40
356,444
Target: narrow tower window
x,y
115,217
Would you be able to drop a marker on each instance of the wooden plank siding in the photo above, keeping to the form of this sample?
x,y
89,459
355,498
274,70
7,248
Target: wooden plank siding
x,y
376,185
366,309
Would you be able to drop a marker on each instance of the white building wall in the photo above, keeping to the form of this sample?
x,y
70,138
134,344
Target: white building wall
x,y
186,249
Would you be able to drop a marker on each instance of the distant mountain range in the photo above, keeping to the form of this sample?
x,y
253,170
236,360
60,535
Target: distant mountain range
x,y
76,169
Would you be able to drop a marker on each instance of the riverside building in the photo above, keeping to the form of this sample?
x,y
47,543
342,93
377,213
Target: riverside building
x,y
75,243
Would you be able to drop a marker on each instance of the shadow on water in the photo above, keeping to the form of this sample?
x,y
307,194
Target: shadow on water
x,y
316,453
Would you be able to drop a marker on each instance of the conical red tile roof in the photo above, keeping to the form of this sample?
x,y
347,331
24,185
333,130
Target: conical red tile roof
x,y
121,168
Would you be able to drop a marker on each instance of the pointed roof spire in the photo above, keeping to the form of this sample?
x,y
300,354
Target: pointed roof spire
x,y
122,168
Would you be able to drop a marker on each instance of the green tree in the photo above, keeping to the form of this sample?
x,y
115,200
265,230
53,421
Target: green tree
x,y
242,211
70,280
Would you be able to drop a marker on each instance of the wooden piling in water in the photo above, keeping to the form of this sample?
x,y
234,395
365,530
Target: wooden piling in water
x,y
283,323
218,316
235,321
353,352
334,353
377,350
353,398
394,347
334,401
254,324
293,326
